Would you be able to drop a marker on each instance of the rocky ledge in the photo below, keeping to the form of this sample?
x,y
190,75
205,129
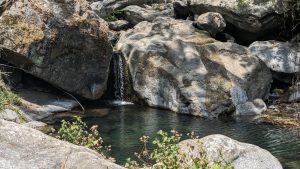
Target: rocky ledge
x,y
22,147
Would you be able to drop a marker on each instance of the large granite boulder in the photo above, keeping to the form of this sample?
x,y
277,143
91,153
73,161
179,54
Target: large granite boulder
x,y
283,57
250,19
240,155
22,147
212,22
106,8
175,66
61,42
136,14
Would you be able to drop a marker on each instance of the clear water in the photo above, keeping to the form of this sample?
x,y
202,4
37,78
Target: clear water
x,y
122,126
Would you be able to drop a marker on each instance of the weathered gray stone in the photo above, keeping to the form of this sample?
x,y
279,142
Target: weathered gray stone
x,y
41,105
136,14
212,22
254,19
240,155
295,97
106,8
256,107
9,115
175,66
40,126
61,42
14,116
281,57
22,147
119,25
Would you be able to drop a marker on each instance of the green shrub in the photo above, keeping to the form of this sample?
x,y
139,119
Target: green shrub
x,y
243,3
8,99
166,155
77,132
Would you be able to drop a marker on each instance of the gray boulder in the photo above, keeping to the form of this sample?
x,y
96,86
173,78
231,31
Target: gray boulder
x,y
240,155
281,57
22,147
106,8
177,67
250,20
17,116
63,44
136,14
119,25
41,105
212,22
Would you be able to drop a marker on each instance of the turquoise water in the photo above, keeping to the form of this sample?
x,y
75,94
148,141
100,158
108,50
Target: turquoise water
x,y
122,127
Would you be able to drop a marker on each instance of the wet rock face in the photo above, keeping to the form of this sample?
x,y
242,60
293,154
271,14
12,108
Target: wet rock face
x,y
175,66
65,45
22,147
249,21
240,155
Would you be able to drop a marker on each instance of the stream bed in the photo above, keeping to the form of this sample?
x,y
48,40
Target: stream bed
x,y
122,126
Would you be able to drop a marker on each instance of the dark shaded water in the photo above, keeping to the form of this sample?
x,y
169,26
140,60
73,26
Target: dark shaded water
x,y
122,127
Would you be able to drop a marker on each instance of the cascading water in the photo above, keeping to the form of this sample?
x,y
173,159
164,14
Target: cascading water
x,y
118,74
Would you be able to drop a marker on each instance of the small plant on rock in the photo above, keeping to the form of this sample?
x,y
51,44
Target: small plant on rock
x,y
77,132
166,154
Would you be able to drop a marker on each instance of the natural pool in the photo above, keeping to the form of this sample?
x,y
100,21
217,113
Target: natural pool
x,y
122,126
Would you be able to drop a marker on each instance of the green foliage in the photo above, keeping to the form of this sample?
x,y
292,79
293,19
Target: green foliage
x,y
243,3
7,99
115,15
166,155
77,132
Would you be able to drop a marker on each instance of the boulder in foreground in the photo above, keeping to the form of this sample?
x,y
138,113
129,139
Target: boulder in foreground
x,y
240,155
22,147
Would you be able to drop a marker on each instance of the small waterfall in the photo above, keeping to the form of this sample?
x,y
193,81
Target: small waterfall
x,y
119,80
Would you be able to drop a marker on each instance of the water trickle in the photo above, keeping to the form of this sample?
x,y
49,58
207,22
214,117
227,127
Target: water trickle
x,y
118,74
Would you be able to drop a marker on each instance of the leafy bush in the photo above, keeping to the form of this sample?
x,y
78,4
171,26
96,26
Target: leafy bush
x,y
7,98
77,132
166,155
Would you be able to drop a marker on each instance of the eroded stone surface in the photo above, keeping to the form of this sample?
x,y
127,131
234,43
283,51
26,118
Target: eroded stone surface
x,y
240,155
22,147
175,66
283,57
65,45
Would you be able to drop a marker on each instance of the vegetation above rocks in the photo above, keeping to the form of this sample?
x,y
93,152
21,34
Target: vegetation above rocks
x,y
77,132
7,98
167,154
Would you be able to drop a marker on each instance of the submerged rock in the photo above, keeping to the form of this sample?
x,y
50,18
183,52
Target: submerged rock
x,y
240,155
22,147
250,19
175,66
63,44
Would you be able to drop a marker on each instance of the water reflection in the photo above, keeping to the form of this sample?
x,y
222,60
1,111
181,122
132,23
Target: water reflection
x,y
123,126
